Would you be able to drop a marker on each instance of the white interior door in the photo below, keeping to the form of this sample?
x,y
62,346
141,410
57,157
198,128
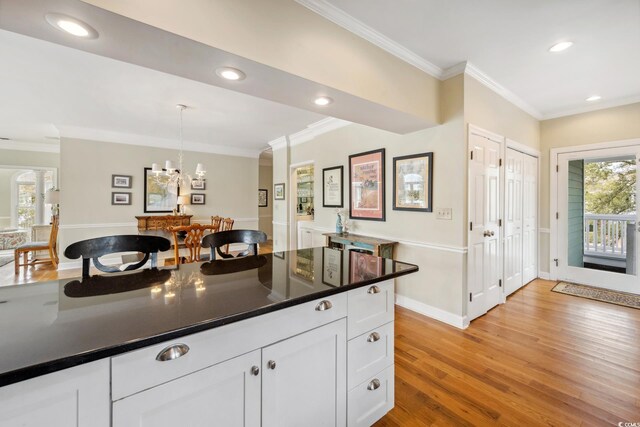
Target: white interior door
x,y
513,221
588,243
529,219
484,273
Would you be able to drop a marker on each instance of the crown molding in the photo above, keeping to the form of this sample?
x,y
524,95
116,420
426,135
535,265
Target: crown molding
x,y
599,105
278,143
29,146
349,23
150,141
316,129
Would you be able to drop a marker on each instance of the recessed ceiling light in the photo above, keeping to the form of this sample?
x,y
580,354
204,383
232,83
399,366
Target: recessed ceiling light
x,y
594,98
559,47
323,100
71,25
230,73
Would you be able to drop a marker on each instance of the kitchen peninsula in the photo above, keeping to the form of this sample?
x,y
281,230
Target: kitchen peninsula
x,y
238,342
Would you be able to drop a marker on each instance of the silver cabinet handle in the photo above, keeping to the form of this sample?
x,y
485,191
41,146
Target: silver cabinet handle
x,y
324,305
373,337
255,370
374,384
373,290
172,352
271,364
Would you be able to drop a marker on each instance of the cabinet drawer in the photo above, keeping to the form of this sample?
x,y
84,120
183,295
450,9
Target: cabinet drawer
x,y
370,307
371,400
139,370
369,353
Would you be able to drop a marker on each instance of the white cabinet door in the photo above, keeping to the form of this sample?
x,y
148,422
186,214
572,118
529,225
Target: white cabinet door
x,y
74,397
226,394
304,379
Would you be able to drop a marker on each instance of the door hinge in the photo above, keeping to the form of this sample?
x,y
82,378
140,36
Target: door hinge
x,y
471,226
557,168
500,282
500,162
471,154
470,297
557,215
556,261
499,223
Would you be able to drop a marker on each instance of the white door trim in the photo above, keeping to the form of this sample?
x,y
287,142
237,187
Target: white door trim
x,y
553,190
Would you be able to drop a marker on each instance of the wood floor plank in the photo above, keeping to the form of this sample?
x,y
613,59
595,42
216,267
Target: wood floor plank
x,y
543,358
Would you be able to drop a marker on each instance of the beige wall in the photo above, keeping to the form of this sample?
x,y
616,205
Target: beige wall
x,y
435,245
265,181
5,197
287,36
85,182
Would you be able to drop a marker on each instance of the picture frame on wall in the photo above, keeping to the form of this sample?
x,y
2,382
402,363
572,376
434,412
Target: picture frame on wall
x,y
366,185
199,184
278,191
333,187
198,198
118,198
121,181
263,198
157,197
413,183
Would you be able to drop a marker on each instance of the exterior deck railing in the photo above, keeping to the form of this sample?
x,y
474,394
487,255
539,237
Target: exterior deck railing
x,y
606,235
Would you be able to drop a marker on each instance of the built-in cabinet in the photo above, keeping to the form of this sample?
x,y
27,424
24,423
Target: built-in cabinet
x,y
327,362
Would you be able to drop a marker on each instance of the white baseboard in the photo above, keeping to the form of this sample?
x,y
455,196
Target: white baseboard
x,y
459,322
544,275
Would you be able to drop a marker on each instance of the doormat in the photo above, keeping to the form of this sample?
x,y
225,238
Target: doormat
x,y
4,260
604,295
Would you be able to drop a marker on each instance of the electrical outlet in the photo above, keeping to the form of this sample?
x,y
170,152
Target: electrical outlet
x,y
443,213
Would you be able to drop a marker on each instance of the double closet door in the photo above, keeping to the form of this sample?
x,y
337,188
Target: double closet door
x,y
521,219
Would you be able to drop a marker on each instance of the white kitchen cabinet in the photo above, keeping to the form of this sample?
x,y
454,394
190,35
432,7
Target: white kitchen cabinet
x,y
304,379
74,397
226,394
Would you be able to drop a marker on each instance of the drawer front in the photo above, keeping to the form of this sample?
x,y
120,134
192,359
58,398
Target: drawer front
x,y
139,370
369,353
371,400
370,307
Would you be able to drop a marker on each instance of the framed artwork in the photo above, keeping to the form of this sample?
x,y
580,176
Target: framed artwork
x,y
278,191
363,267
263,198
120,198
413,183
121,181
197,199
333,187
366,186
332,267
157,197
199,184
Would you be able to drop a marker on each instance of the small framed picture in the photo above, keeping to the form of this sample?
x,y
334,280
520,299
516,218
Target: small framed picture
x,y
263,198
120,198
333,187
121,181
413,183
279,255
199,184
197,199
278,191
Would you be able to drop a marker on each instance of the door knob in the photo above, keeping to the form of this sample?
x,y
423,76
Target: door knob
x,y
486,233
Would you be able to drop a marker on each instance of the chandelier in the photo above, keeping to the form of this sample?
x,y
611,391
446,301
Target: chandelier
x,y
176,176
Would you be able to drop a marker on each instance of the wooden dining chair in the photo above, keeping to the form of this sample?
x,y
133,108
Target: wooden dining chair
x,y
93,249
216,222
190,237
215,241
51,246
227,224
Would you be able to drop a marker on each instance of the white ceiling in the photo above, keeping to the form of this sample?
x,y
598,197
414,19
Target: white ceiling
x,y
509,40
83,94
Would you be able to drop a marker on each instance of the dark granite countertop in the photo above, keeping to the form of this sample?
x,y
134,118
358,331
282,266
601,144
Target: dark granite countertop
x,y
46,327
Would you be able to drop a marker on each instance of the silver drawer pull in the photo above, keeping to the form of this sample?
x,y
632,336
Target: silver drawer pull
x,y
373,337
324,305
373,290
172,352
374,384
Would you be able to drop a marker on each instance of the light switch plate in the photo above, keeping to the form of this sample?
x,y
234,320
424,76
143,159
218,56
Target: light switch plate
x,y
443,213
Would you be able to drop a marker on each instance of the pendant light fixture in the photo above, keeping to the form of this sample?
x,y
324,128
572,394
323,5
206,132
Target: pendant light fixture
x,y
177,177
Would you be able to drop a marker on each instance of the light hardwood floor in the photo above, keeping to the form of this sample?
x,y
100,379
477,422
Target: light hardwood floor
x,y
542,358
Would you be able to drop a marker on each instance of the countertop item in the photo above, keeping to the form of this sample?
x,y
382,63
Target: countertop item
x,y
46,327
